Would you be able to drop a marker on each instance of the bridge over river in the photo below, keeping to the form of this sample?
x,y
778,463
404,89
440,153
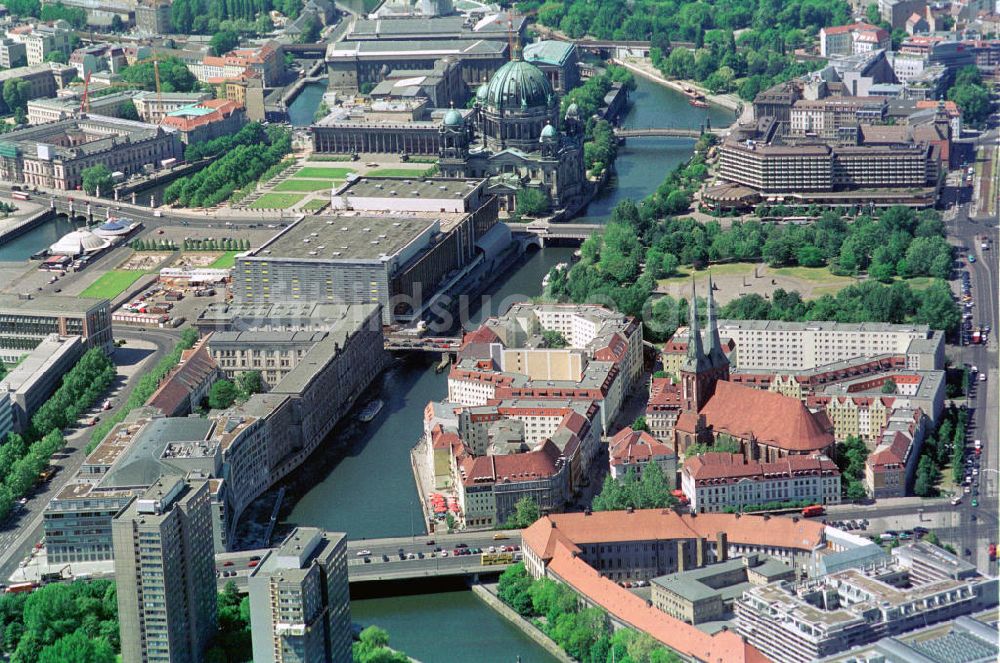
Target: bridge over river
x,y
666,132
424,557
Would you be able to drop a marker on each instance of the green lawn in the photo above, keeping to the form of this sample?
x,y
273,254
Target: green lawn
x,y
112,284
685,272
225,261
296,184
331,173
814,274
314,205
276,201
398,172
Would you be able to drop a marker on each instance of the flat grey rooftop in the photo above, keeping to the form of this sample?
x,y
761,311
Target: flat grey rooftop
x,y
415,48
383,187
48,304
344,238
141,465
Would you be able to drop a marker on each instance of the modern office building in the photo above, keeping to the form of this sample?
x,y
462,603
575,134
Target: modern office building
x,y
39,374
778,346
26,320
165,573
803,622
403,262
54,155
865,170
300,607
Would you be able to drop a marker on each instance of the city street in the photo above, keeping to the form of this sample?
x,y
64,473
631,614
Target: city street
x,y
976,536
20,533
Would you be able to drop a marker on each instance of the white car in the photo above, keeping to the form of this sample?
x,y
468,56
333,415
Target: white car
x,y
364,553
982,377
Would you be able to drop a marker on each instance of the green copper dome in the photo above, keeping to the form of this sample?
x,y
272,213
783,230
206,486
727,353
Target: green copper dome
x,y
518,85
481,92
549,132
453,118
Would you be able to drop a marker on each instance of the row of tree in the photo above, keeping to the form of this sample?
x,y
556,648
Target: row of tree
x,y
74,622
144,388
225,244
23,457
583,633
153,245
250,134
237,168
946,443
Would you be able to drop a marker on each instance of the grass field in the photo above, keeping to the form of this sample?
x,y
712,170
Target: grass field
x,y
331,173
225,261
112,284
276,201
398,172
296,184
313,205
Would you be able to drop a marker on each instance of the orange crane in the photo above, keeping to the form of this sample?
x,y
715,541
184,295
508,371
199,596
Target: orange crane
x,y
85,100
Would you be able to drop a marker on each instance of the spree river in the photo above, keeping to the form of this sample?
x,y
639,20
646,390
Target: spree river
x,y
367,488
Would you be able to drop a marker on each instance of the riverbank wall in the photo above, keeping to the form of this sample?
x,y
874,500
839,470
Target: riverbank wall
x,y
486,593
646,71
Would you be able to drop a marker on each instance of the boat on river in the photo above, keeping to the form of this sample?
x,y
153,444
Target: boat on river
x,y
370,411
698,103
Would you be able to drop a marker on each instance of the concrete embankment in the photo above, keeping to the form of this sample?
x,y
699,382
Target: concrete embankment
x,y
646,70
486,594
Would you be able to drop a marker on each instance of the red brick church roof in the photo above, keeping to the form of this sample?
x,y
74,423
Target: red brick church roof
x,y
769,417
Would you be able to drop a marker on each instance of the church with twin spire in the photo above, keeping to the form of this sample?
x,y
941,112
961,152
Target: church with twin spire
x,y
766,425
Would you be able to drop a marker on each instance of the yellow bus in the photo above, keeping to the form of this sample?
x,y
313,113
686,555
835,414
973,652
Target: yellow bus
x,y
489,559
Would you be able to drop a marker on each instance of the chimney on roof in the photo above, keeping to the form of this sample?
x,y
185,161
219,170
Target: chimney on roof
x,y
721,547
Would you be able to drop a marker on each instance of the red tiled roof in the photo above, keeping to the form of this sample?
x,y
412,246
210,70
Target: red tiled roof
x,y
527,466
716,467
222,109
853,27
668,525
663,392
554,540
632,446
196,366
769,417
893,454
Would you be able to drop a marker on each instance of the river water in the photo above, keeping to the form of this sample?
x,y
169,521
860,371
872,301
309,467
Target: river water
x,y
367,489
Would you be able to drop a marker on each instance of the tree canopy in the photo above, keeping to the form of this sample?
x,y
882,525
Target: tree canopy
x,y
97,178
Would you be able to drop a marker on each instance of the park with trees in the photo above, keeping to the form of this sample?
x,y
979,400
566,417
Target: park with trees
x,y
255,152
648,241
760,56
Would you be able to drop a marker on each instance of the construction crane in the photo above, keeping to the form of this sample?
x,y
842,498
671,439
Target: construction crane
x,y
85,100
156,77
